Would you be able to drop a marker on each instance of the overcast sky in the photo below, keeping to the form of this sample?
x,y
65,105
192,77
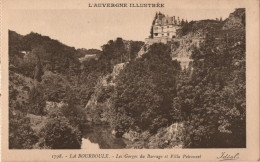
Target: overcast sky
x,y
91,28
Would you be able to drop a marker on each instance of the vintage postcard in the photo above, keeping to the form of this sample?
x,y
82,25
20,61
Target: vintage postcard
x,y
115,80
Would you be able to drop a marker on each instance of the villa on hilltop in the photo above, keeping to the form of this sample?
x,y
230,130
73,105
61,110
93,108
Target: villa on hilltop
x,y
164,28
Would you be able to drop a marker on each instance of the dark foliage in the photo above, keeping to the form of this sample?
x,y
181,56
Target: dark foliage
x,y
59,134
203,27
37,101
144,91
21,135
212,101
54,55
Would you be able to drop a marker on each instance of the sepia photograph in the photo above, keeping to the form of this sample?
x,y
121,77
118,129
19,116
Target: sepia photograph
x,y
182,86
128,75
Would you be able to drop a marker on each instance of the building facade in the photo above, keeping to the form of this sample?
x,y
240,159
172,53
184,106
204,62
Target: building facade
x,y
165,26
164,29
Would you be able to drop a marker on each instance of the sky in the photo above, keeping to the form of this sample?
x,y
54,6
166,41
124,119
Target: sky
x,y
91,28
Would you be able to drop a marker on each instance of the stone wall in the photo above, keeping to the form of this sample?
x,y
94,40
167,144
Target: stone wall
x,y
150,41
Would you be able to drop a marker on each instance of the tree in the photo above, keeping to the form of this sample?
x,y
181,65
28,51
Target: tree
x,y
182,22
59,134
213,102
21,135
153,23
144,90
37,101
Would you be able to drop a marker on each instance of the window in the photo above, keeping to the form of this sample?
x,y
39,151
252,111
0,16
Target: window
x,y
168,34
155,34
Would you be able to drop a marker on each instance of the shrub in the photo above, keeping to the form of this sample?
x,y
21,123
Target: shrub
x,y
59,134
21,135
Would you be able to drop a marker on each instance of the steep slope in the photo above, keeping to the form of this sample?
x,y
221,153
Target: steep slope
x,y
199,102
100,99
116,54
19,87
190,36
214,109
42,70
235,20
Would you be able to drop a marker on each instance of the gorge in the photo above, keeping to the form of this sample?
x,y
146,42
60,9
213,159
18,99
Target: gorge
x,y
186,92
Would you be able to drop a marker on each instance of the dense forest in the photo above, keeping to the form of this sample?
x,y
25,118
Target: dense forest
x,y
141,98
49,88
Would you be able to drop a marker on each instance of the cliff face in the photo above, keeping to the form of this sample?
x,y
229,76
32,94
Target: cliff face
x,y
100,100
236,20
182,47
118,53
168,137
143,50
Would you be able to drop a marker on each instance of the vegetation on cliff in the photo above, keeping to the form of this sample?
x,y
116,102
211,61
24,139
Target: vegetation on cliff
x,y
45,74
144,90
208,97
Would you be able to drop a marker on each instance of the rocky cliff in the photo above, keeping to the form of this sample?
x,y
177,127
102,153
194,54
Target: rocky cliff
x,y
182,47
100,99
167,137
235,20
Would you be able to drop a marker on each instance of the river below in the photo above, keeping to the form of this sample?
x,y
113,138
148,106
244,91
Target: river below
x,y
100,137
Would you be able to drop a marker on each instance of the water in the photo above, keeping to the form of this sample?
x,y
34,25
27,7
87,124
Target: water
x,y
100,137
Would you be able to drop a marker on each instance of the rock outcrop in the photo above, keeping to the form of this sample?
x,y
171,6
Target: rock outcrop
x,y
236,20
167,137
117,69
143,50
99,100
182,47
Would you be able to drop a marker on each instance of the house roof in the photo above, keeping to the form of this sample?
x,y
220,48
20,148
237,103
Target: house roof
x,y
166,20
